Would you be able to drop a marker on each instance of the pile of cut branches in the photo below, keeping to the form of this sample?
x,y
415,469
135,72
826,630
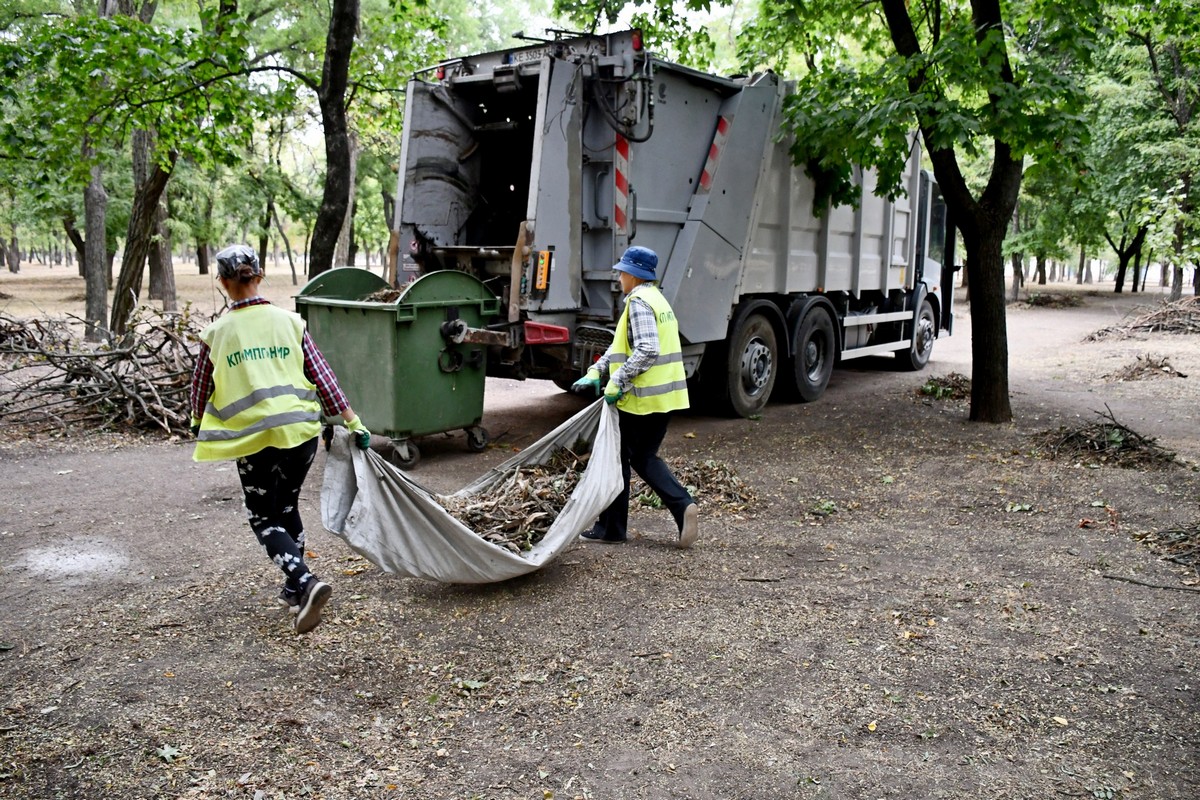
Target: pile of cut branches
x,y
714,483
1182,317
1180,545
51,379
952,386
1047,300
1146,367
384,295
1105,442
517,513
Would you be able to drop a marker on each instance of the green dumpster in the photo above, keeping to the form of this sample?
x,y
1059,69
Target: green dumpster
x,y
413,365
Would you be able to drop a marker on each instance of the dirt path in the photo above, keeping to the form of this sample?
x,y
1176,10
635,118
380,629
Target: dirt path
x,y
915,607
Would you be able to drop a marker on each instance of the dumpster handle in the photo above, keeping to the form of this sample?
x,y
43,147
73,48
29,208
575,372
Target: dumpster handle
x,y
450,360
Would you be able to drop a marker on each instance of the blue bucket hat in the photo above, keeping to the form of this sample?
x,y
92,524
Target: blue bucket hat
x,y
640,262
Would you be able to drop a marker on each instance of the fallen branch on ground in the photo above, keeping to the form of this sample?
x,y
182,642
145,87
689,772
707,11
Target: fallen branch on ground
x,y
1106,442
1182,316
53,380
1151,585
1147,366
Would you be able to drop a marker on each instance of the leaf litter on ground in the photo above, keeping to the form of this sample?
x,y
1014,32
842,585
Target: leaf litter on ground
x,y
518,511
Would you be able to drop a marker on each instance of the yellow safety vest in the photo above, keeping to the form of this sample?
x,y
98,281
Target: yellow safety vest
x,y
261,397
663,387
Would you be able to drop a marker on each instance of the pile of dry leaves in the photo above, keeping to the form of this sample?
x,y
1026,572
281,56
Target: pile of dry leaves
x,y
516,513
713,483
1179,545
1047,300
952,386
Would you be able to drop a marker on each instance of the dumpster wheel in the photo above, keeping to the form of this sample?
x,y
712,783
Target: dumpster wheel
x,y
477,438
404,453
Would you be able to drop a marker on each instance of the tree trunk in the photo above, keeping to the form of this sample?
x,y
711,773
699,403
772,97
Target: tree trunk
x,y
343,255
339,43
14,252
1082,264
162,269
989,332
95,213
202,256
77,242
1018,259
137,244
287,246
264,233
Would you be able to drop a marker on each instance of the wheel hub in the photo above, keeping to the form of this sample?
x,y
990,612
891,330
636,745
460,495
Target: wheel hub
x,y
812,358
924,335
756,366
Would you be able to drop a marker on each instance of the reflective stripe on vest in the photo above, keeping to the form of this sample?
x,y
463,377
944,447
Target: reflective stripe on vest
x,y
256,397
261,397
662,387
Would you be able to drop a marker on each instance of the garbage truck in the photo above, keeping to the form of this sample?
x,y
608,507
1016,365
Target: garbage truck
x,y
533,168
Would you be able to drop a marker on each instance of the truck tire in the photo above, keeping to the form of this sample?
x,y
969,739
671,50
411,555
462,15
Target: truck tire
x,y
816,350
751,365
924,331
564,380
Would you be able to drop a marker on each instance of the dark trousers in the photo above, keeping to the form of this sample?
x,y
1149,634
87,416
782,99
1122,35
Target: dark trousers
x,y
271,481
641,436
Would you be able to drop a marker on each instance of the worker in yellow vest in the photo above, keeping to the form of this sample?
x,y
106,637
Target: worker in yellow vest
x,y
258,393
646,382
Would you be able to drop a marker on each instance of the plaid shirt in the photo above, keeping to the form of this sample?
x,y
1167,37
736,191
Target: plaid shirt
x,y
316,369
643,344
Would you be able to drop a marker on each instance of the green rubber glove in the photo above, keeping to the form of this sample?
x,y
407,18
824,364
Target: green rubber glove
x,y
612,393
195,428
589,384
362,436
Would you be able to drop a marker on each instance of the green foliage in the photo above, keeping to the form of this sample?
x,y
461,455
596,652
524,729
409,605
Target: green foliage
x,y
91,79
668,28
1018,85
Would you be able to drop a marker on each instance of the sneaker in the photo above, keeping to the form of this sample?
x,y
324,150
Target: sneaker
x,y
691,526
312,599
597,535
289,600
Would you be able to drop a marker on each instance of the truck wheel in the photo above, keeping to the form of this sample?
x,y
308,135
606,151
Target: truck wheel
x,y
752,365
816,346
917,356
477,439
565,380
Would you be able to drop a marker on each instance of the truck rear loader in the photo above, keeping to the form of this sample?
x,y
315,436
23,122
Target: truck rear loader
x,y
533,169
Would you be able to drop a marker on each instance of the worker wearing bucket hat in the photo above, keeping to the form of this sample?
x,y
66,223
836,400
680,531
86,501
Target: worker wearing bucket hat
x,y
258,392
646,382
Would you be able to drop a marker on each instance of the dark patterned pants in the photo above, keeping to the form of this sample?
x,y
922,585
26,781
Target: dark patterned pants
x,y
271,481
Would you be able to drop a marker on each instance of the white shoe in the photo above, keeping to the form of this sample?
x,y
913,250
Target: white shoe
x,y
691,526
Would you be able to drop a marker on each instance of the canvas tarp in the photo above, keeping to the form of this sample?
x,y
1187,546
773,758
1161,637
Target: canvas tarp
x,y
398,525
